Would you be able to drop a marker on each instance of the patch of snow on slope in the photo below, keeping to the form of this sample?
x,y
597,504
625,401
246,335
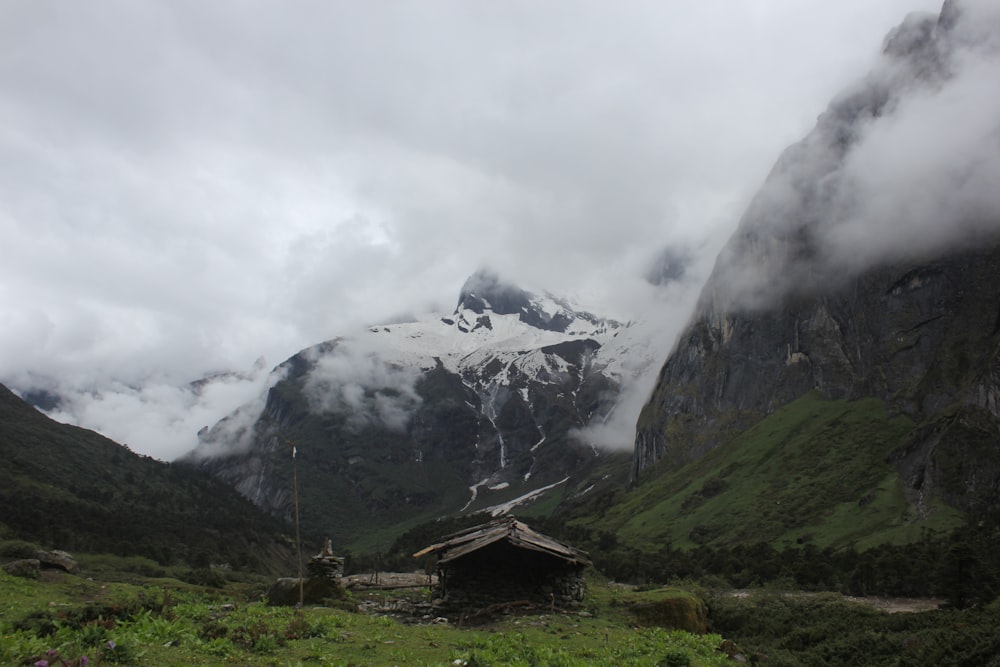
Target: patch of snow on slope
x,y
503,508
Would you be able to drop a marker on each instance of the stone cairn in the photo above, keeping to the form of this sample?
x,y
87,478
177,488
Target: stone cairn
x,y
325,565
322,582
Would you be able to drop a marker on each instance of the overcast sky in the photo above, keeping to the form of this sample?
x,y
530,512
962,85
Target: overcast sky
x,y
187,186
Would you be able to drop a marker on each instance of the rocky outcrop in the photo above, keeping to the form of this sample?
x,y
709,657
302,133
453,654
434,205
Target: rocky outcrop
x,y
50,560
58,560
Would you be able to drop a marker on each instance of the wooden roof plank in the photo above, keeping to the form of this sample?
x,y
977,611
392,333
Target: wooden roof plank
x,y
510,529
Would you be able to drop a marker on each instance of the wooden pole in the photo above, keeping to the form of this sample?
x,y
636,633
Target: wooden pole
x,y
298,538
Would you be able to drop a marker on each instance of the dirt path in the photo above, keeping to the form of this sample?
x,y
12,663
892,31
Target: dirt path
x,y
890,605
898,605
389,580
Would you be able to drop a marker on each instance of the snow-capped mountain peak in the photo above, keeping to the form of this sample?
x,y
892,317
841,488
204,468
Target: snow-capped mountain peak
x,y
495,396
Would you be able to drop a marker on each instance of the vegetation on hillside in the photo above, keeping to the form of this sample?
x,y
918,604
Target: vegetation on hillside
x,y
68,488
807,499
815,471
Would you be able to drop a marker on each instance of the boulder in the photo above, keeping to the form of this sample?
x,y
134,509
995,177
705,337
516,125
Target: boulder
x,y
25,567
58,559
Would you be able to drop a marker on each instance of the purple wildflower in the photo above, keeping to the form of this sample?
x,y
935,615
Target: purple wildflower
x,y
84,661
41,663
112,644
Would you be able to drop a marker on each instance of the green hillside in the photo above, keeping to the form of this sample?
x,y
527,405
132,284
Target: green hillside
x,y
68,488
815,471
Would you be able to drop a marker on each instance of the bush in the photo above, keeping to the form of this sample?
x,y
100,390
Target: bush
x,y
204,576
823,630
17,549
674,659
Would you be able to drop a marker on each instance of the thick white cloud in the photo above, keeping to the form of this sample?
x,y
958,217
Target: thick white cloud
x,y
187,185
354,379
902,166
926,176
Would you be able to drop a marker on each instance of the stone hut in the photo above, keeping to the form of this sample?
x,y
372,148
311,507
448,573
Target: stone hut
x,y
506,561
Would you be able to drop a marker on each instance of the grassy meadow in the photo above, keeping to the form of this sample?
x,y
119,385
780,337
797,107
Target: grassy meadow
x,y
69,621
106,616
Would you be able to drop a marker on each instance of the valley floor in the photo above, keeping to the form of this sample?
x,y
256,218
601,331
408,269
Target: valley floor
x,y
60,620
129,620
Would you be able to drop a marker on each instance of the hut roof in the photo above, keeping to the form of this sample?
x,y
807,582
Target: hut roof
x,y
507,529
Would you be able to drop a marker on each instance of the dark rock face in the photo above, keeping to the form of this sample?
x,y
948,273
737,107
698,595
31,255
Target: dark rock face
x,y
329,447
465,424
921,337
780,316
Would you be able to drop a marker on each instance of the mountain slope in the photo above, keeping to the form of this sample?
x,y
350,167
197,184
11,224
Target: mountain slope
x,y
479,409
73,489
916,329
816,471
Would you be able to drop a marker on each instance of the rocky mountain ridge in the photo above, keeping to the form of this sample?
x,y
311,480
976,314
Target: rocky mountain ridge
x,y
482,408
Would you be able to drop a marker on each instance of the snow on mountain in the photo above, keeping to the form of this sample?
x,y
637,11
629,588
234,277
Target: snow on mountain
x,y
496,396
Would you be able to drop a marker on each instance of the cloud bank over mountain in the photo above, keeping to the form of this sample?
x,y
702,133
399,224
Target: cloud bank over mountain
x,y
901,166
186,186
354,380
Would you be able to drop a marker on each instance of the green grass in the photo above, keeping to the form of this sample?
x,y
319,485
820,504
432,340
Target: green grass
x,y
168,623
128,620
814,471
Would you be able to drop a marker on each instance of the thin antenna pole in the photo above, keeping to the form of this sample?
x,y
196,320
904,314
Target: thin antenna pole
x,y
298,538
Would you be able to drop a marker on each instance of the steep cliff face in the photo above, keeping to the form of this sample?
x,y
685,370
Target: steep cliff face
x,y
921,337
784,313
